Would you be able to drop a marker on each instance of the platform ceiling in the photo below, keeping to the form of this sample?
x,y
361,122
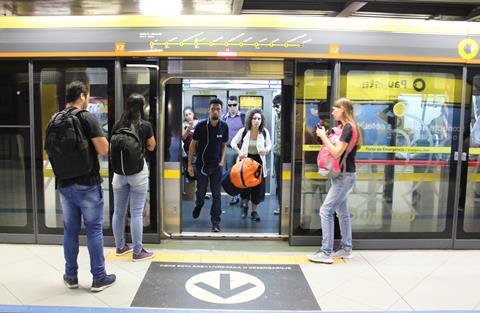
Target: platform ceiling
x,y
459,10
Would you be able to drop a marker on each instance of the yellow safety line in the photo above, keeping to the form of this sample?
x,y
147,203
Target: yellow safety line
x,y
222,258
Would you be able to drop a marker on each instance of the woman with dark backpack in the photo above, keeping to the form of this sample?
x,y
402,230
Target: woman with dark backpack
x,y
130,137
341,183
256,144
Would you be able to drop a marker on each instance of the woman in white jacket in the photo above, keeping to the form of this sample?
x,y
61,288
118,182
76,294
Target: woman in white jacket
x,y
256,144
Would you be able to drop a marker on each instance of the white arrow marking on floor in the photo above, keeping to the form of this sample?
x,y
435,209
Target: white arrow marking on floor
x,y
226,287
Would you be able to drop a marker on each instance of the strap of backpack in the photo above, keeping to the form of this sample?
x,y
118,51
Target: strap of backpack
x,y
350,146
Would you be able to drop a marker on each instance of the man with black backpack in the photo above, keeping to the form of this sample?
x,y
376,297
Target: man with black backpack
x,y
73,140
235,121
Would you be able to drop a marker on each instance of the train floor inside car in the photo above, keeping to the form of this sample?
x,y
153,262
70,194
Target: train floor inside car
x,y
247,275
232,221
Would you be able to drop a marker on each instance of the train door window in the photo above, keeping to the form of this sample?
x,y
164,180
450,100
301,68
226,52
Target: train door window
x,y
200,105
409,117
247,103
312,107
141,77
50,88
15,152
469,218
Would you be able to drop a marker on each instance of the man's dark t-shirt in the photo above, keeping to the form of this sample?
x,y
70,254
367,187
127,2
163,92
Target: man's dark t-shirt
x,y
209,148
350,161
145,131
91,129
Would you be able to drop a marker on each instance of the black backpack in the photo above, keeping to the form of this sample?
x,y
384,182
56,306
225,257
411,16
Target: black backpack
x,y
126,152
67,147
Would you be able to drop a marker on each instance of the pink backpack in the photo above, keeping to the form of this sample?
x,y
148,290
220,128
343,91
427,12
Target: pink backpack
x,y
327,164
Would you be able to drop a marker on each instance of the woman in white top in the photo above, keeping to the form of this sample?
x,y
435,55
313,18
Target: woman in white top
x,y
256,145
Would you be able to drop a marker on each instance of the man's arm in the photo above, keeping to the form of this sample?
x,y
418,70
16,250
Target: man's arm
x,y
191,152
224,148
101,145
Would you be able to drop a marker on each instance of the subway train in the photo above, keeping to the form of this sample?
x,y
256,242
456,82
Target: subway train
x,y
415,86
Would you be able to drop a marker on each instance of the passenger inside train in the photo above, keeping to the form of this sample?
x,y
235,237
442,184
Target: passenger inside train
x,y
240,96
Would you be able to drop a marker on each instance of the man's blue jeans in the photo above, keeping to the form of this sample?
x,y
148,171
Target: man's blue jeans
x,y
337,201
133,188
87,201
214,175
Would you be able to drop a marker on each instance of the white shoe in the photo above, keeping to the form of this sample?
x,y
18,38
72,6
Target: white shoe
x,y
321,257
342,254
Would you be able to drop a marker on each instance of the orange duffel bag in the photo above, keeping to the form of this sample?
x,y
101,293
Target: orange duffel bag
x,y
246,173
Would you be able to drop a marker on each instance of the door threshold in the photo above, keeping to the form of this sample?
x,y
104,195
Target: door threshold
x,y
220,235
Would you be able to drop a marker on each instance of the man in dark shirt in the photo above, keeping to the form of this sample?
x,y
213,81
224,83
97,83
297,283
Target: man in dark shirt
x,y
209,139
82,197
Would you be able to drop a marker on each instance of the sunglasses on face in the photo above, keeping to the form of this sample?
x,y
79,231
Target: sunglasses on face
x,y
276,106
232,104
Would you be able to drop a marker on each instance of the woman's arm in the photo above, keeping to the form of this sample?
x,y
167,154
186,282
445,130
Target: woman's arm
x,y
236,139
268,142
337,150
151,144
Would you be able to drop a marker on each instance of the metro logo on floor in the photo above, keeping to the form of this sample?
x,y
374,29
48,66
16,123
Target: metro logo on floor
x,y
225,286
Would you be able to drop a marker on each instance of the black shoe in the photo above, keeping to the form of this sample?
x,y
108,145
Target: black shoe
x,y
196,212
216,227
71,283
234,201
245,211
107,281
255,216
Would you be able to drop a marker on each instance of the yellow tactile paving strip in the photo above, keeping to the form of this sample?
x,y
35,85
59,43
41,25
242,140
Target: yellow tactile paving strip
x,y
223,258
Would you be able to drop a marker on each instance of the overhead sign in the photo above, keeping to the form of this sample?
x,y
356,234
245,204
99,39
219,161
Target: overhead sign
x,y
389,86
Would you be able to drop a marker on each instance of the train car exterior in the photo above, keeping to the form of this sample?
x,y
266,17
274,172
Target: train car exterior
x,y
415,86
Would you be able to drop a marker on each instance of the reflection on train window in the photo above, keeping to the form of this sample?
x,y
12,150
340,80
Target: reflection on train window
x,y
14,93
407,119
13,184
249,102
53,86
312,109
471,218
201,104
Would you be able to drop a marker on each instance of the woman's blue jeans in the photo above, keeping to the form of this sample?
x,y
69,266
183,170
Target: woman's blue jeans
x,y
337,201
131,189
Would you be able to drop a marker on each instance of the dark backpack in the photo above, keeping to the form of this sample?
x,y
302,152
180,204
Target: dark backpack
x,y
67,147
126,152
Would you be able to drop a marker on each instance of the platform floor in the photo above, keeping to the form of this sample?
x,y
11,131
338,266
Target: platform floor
x,y
396,280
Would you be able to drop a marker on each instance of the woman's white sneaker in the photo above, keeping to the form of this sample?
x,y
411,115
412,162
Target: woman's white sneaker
x,y
342,254
321,257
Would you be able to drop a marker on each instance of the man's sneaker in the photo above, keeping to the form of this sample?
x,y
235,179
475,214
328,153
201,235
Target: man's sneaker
x,y
255,216
276,211
321,257
342,254
207,196
143,255
126,249
234,200
71,283
216,228
101,284
196,212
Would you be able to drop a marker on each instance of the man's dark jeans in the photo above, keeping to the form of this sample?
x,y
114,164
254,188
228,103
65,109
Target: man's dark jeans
x,y
214,174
